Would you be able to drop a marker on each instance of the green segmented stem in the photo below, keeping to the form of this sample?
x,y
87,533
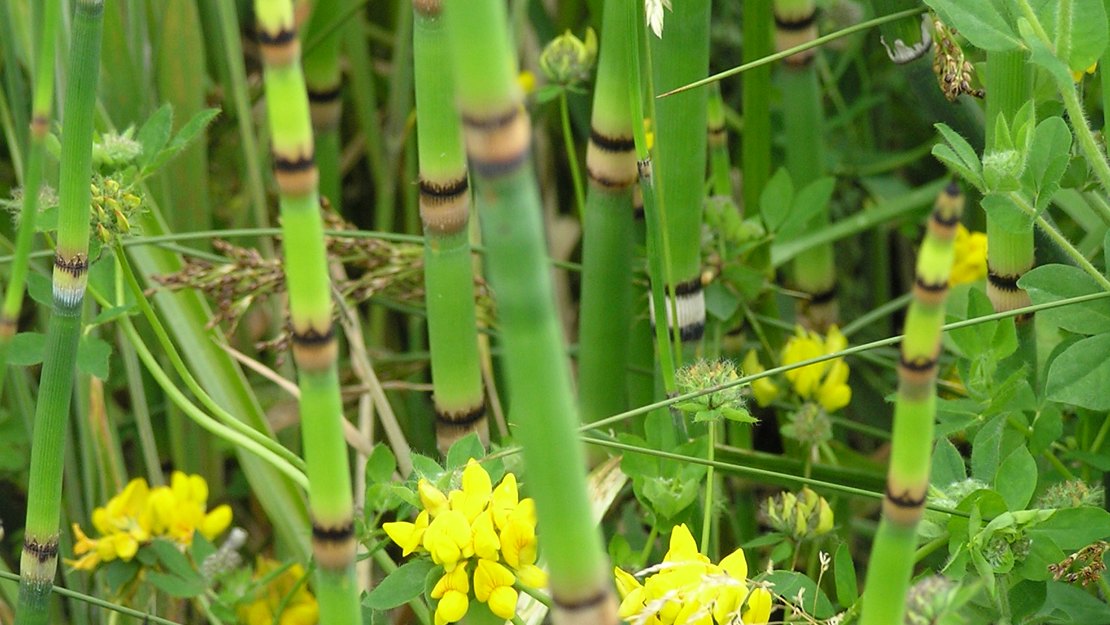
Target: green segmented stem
x,y
814,271
755,142
39,560
310,310
41,104
1010,253
892,556
498,140
324,81
607,242
680,149
445,212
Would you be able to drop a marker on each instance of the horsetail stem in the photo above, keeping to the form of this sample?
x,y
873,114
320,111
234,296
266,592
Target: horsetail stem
x,y
324,82
1010,253
814,271
460,406
39,560
497,141
310,310
755,142
41,105
680,140
891,564
607,241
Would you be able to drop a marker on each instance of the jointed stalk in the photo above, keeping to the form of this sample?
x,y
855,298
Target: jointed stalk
x,y
814,271
71,263
607,243
682,55
498,140
324,82
41,105
460,406
892,557
310,309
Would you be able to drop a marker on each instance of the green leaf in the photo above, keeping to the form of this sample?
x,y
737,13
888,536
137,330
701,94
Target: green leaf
x,y
173,560
380,465
1081,374
463,450
986,448
946,155
788,583
41,289
1017,479
808,203
776,200
1041,56
175,586
962,153
948,464
740,415
426,468
1074,528
844,571
1047,160
1005,213
188,133
1067,604
720,301
27,348
1026,597
1088,30
117,573
1052,283
401,586
109,315
981,22
93,354
155,133
1047,428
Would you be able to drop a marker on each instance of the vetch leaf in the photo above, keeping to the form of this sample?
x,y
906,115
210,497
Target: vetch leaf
x,y
1074,528
463,450
981,22
1017,479
808,203
948,464
844,570
93,354
1052,283
40,288
401,586
1081,374
155,133
1047,160
26,349
986,448
776,200
965,155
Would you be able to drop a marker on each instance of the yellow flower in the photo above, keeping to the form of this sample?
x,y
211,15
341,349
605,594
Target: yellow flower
x,y
504,500
764,390
448,539
527,81
300,606
434,501
475,493
970,264
451,590
138,514
826,382
518,537
408,536
688,589
486,543
493,585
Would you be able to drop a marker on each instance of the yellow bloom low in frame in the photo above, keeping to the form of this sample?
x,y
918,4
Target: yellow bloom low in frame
x,y
688,589
140,514
483,536
287,592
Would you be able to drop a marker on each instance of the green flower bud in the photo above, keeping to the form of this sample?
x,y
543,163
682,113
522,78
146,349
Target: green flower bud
x,y
568,60
801,516
929,599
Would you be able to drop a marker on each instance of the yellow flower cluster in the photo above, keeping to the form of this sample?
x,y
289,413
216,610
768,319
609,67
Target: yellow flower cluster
x,y
688,589
140,514
301,607
477,532
970,263
826,382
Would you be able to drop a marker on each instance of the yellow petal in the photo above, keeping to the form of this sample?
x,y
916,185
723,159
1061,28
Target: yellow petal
x,y
532,576
305,613
486,543
626,582
488,576
475,480
216,521
758,610
502,602
504,499
434,501
455,580
682,546
735,565
451,608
